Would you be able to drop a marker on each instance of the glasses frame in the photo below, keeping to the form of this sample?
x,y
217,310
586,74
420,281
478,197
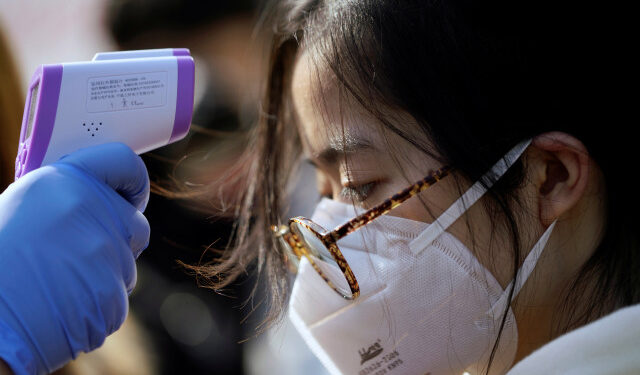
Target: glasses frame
x,y
295,247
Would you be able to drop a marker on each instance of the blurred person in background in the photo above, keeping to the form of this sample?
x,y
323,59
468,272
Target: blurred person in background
x,y
194,331
11,107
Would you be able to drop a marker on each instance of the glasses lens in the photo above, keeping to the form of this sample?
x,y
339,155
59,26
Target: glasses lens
x,y
321,258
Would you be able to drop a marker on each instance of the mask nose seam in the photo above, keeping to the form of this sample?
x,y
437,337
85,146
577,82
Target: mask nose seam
x,y
400,233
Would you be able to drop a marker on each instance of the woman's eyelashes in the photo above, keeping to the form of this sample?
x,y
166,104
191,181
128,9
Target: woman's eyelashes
x,y
353,185
353,192
357,192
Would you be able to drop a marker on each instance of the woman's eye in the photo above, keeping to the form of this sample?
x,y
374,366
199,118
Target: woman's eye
x,y
357,193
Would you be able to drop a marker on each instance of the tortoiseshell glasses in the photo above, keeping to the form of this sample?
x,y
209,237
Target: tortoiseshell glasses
x,y
303,237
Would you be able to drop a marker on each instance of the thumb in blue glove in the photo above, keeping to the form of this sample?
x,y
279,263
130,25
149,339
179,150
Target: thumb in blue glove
x,y
69,236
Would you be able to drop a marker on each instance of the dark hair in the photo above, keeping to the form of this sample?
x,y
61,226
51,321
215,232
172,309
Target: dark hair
x,y
478,77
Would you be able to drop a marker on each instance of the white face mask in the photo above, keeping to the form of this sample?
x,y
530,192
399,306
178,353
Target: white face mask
x,y
427,305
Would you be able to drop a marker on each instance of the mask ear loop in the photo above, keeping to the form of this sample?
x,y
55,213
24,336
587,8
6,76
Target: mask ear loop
x,y
525,270
471,196
490,320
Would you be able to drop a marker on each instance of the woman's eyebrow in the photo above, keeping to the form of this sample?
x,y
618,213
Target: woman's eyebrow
x,y
338,147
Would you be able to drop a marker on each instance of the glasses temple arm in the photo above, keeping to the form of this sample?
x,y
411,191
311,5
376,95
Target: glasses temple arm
x,y
386,206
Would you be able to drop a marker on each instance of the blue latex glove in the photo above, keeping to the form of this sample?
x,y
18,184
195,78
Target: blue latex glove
x,y
69,235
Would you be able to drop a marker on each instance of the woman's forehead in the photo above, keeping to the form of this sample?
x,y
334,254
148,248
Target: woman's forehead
x,y
330,120
325,116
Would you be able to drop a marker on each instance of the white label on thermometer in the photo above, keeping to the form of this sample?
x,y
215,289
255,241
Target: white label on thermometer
x,y
125,92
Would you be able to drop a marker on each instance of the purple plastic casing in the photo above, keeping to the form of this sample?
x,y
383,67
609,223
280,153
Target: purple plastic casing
x,y
181,52
31,151
184,101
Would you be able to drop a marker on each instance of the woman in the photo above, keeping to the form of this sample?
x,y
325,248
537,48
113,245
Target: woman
x,y
379,94
514,227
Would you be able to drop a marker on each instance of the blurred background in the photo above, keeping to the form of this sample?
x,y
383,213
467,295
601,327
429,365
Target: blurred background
x,y
173,326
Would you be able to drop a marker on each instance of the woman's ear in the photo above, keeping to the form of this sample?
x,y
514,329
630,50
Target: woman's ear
x,y
562,172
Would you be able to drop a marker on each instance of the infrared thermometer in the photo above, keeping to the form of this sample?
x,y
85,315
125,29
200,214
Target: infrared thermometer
x,y
143,99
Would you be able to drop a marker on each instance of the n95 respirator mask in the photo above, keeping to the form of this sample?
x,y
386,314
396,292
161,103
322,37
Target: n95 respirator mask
x,y
427,305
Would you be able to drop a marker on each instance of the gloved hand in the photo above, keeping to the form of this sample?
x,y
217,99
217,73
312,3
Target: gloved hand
x,y
69,236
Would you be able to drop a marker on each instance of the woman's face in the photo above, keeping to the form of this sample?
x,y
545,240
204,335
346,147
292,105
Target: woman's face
x,y
360,161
